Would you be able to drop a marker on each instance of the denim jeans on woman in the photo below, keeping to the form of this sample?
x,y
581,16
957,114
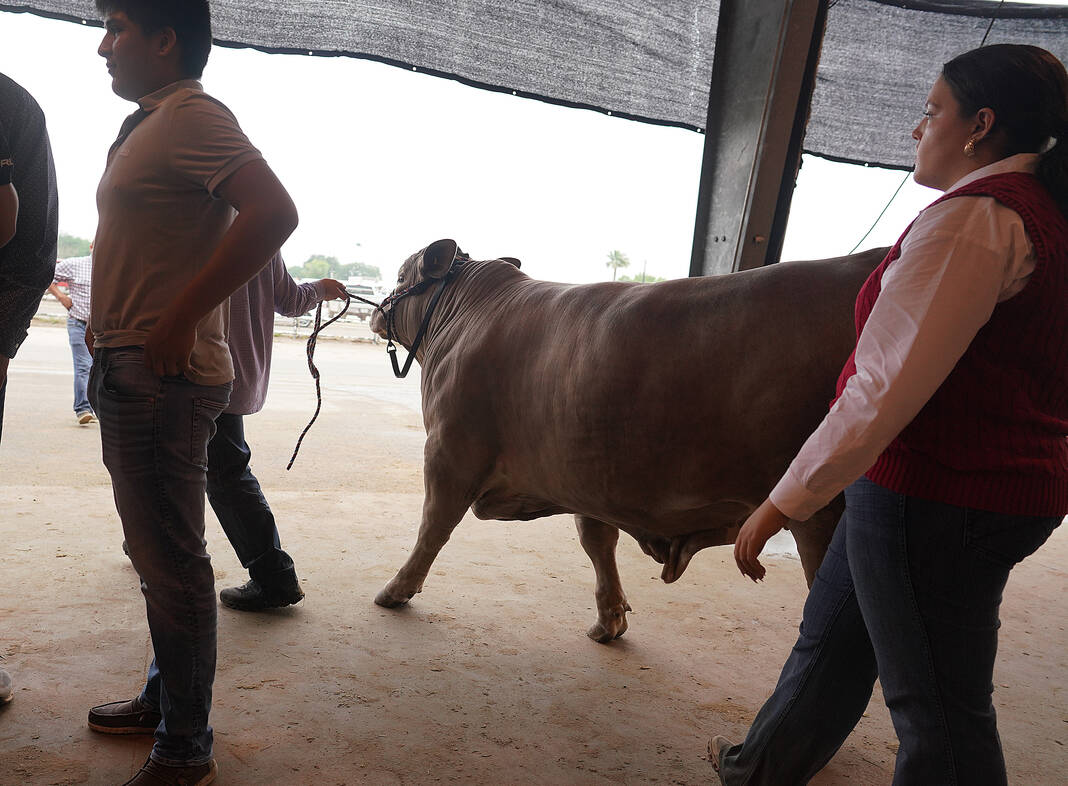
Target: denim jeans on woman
x,y
155,432
83,361
909,592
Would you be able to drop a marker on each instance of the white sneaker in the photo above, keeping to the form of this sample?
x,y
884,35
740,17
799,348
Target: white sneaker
x,y
5,687
85,417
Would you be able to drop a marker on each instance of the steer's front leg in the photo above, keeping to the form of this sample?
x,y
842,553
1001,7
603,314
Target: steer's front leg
x,y
599,540
446,501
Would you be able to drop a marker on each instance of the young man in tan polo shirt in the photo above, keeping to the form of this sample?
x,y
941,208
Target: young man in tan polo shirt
x,y
188,212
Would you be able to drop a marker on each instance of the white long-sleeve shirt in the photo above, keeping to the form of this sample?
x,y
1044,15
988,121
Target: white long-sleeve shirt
x,y
960,259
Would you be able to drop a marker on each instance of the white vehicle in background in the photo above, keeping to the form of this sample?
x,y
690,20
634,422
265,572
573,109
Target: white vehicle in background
x,y
358,308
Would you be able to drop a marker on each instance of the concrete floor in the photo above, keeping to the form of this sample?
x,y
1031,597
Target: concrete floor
x,y
486,678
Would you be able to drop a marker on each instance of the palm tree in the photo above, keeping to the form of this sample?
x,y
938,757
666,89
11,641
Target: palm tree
x,y
616,260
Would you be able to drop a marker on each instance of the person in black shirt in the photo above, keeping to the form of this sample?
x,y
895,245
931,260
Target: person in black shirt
x,y
29,220
29,205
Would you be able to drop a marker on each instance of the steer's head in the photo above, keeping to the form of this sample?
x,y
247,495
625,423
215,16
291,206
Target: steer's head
x,y
418,281
415,285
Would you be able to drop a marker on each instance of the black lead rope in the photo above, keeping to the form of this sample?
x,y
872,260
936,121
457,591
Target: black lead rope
x,y
319,327
391,348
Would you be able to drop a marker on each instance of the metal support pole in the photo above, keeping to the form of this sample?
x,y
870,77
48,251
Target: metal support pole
x,y
763,75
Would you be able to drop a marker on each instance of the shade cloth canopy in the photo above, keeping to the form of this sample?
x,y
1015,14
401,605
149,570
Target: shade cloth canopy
x,y
647,61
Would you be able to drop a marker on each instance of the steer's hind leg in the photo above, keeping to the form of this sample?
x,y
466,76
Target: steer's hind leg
x,y
444,505
599,541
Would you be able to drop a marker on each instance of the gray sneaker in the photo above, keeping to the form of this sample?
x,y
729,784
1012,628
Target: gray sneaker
x,y
5,687
85,418
717,746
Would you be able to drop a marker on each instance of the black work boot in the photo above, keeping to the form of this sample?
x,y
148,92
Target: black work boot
x,y
253,596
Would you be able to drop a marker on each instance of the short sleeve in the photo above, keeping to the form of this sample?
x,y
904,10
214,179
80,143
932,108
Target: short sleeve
x,y
207,144
64,270
7,159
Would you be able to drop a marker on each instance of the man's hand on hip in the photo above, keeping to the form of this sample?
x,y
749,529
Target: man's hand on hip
x,y
168,347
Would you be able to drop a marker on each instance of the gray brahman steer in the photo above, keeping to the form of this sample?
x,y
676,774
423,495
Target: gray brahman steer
x,y
665,410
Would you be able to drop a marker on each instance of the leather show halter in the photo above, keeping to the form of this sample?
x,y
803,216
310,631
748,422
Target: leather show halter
x,y
395,297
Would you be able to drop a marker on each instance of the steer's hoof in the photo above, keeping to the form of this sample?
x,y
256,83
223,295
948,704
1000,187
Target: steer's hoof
x,y
389,600
603,633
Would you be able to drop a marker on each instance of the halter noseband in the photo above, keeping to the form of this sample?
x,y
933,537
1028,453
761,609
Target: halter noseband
x,y
388,308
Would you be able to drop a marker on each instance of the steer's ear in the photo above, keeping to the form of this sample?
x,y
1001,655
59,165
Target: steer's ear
x,y
437,258
512,261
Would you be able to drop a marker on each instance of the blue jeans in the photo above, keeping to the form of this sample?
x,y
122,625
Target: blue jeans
x,y
154,434
245,516
909,591
83,361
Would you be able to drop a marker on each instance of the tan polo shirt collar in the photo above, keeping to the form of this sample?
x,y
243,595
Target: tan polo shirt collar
x,y
153,100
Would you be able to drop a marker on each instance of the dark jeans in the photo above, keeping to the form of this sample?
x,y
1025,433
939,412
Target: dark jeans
x,y
3,394
154,433
238,502
909,591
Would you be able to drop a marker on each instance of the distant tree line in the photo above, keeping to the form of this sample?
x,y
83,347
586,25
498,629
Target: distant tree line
x,y
617,259
319,266
71,246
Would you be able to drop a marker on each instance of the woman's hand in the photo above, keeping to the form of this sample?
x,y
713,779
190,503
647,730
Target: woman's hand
x,y
764,522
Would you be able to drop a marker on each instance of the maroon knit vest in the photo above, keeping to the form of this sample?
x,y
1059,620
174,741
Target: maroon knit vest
x,y
994,436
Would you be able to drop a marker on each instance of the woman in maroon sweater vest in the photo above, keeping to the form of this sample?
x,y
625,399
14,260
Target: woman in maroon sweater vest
x,y
949,435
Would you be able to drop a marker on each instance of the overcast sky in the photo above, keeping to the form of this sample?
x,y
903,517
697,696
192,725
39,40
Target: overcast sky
x,y
382,161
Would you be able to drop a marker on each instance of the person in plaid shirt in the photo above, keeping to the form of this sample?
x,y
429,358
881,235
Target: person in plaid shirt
x,y
76,273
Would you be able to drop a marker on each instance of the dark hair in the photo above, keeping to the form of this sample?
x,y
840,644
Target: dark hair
x,y
1027,87
190,20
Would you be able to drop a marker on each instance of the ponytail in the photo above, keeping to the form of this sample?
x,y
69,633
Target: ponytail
x,y
1053,167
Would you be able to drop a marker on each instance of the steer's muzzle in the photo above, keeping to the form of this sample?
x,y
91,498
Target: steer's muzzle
x,y
378,322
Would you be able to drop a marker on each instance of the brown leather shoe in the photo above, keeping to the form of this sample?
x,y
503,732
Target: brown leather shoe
x,y
155,774
124,717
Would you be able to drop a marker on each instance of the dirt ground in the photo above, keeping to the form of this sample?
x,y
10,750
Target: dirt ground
x,y
487,677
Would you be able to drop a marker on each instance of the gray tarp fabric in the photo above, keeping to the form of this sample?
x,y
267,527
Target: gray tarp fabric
x,y
648,61
880,59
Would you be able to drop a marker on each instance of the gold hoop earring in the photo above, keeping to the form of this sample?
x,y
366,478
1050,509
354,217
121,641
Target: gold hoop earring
x,y
969,148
